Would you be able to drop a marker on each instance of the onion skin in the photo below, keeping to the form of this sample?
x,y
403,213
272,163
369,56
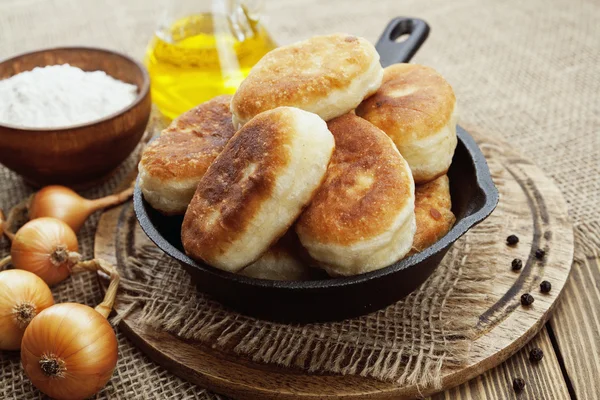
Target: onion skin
x,y
34,244
20,289
82,341
61,203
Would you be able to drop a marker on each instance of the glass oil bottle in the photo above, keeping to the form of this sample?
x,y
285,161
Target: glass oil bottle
x,y
202,49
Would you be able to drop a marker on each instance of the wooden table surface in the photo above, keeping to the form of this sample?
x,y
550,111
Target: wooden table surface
x,y
494,99
571,345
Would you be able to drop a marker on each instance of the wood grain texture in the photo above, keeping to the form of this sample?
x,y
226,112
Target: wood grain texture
x,y
79,155
576,327
543,380
530,206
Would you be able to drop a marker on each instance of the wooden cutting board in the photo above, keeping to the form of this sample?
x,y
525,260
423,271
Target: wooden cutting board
x,y
531,206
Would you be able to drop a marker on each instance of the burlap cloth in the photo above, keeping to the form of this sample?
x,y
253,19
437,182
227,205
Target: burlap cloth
x,y
524,71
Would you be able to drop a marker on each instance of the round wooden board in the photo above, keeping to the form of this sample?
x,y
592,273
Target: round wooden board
x,y
530,206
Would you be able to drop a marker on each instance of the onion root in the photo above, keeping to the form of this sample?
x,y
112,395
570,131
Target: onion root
x,y
24,313
53,366
62,255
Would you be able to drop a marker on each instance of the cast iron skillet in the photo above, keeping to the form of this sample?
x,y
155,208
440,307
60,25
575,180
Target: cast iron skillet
x,y
474,197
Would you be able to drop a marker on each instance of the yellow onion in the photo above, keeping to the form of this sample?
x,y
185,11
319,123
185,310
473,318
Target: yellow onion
x,y
23,295
63,203
69,351
47,247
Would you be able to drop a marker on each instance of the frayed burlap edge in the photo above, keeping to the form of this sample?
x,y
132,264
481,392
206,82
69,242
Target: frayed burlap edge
x,y
438,320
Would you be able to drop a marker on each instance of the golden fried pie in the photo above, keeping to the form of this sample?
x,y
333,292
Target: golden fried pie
x,y
173,164
362,218
257,187
327,75
416,107
286,260
433,210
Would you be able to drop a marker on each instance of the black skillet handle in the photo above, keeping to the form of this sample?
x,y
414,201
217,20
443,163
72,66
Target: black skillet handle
x,y
391,52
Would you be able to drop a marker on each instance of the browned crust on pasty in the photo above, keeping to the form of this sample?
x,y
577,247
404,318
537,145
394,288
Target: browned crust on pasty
x,y
188,146
413,102
433,212
302,73
236,185
366,185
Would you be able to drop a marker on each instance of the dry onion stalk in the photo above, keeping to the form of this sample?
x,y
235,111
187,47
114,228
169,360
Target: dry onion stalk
x,y
23,295
4,227
69,351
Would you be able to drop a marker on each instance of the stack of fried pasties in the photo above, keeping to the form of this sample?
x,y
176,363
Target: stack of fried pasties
x,y
321,161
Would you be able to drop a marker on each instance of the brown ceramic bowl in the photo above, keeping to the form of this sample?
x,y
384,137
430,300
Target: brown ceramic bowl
x,y
80,154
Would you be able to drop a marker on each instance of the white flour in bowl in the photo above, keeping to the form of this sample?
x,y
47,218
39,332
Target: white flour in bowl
x,y
61,95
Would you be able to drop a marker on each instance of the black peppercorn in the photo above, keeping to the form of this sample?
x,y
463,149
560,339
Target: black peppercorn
x,y
545,287
539,254
527,299
536,354
518,384
512,240
516,264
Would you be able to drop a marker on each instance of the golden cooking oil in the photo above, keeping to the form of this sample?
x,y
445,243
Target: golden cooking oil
x,y
199,57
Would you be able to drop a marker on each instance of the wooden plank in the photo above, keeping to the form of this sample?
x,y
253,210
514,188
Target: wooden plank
x,y
543,380
576,327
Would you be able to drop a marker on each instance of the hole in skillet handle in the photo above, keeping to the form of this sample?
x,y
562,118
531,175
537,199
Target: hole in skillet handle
x,y
390,50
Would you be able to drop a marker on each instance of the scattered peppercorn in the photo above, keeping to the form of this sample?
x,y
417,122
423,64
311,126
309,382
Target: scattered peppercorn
x,y
517,264
545,287
512,240
539,254
536,354
518,384
527,299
